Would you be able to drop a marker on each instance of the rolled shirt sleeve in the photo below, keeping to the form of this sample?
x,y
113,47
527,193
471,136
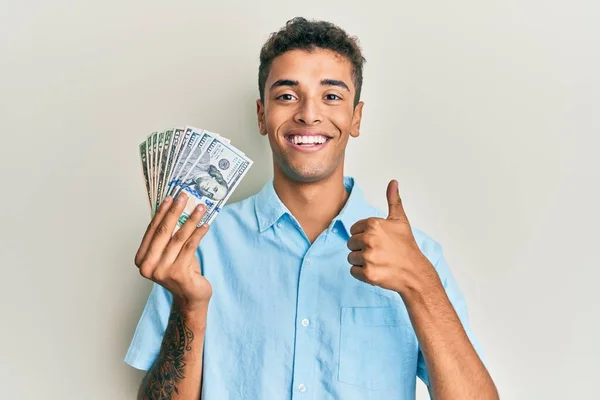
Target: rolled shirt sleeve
x,y
147,339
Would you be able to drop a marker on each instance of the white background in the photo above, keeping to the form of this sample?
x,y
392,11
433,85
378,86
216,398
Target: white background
x,y
486,112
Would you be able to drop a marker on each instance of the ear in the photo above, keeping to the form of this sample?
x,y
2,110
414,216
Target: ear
x,y
260,114
356,117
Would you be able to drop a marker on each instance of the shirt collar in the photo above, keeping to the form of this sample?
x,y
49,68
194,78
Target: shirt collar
x,y
356,207
269,208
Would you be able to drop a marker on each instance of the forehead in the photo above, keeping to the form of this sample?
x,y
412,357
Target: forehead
x,y
310,67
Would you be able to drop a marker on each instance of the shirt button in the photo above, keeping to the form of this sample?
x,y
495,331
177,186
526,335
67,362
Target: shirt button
x,y
305,322
279,224
308,261
302,387
334,230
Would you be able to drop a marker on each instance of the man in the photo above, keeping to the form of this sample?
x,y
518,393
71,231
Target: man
x,y
317,295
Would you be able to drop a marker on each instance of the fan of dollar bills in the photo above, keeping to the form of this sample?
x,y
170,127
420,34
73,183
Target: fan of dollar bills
x,y
200,163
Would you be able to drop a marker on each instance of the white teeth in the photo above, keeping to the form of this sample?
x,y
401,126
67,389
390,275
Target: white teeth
x,y
319,139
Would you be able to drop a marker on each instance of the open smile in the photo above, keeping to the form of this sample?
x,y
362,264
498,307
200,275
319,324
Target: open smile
x,y
307,142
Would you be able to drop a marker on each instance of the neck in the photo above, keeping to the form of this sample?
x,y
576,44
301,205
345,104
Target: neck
x,y
315,204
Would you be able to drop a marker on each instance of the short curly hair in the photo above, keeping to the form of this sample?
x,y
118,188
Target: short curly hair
x,y
299,33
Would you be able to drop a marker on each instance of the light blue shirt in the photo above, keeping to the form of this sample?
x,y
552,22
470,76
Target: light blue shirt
x,y
287,320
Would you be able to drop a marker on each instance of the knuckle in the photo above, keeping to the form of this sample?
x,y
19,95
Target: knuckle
x,y
178,275
161,229
371,256
369,241
159,275
175,274
146,264
178,237
371,275
189,245
173,208
374,245
146,272
372,223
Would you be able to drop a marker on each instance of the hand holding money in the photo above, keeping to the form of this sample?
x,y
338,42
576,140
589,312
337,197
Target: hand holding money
x,y
169,259
189,174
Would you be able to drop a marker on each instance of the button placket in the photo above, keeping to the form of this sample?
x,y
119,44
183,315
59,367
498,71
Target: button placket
x,y
306,310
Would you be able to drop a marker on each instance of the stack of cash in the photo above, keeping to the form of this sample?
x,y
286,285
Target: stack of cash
x,y
200,163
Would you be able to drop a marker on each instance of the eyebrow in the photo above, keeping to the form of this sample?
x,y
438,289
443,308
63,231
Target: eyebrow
x,y
335,82
324,82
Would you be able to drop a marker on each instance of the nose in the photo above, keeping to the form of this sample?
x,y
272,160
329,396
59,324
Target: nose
x,y
309,113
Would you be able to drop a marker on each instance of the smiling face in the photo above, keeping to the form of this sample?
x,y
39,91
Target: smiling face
x,y
308,113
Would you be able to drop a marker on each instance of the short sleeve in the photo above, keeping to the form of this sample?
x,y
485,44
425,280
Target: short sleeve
x,y
147,339
458,301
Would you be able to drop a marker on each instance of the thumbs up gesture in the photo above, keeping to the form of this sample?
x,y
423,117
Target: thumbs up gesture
x,y
384,252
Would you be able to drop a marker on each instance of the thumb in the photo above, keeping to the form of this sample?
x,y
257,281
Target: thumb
x,y
396,211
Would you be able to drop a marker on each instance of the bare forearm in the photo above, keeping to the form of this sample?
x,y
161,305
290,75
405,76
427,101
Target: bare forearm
x,y
177,372
454,368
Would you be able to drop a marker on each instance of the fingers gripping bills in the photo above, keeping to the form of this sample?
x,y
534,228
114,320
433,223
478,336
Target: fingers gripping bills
x,y
202,164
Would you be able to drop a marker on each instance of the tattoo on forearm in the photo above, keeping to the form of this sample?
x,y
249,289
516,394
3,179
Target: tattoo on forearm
x,y
170,365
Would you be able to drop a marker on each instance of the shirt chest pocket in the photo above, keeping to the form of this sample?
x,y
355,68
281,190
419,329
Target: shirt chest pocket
x,y
378,349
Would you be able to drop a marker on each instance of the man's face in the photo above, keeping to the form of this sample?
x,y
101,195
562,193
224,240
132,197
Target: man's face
x,y
308,113
211,188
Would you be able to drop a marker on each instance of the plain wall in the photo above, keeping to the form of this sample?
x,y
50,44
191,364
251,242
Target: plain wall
x,y
486,113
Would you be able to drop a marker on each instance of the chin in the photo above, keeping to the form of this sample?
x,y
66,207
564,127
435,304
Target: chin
x,y
307,174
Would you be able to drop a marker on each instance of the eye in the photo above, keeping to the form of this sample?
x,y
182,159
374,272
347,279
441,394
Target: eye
x,y
285,97
332,96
